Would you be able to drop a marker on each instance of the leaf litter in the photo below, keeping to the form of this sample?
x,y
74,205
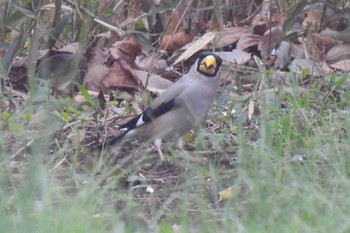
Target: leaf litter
x,y
118,75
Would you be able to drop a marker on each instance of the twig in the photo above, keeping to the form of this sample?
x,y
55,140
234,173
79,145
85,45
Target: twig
x,y
22,149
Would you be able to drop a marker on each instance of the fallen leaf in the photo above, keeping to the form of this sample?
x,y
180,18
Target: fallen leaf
x,y
299,65
127,49
343,65
324,41
227,37
70,48
320,44
155,83
321,14
172,42
10,92
251,108
17,66
235,56
342,36
175,21
120,76
228,193
247,41
151,63
261,22
123,54
325,68
18,72
80,99
4,105
299,159
270,40
97,70
61,70
196,46
338,52
312,19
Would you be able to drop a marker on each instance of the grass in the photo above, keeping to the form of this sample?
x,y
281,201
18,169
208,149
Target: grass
x,y
56,183
273,190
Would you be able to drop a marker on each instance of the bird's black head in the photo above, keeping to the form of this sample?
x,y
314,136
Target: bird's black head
x,y
208,64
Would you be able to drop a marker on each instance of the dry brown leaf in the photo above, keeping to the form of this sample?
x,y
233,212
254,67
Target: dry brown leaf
x,y
127,49
325,68
120,76
178,17
298,65
270,40
228,37
261,23
338,52
173,24
155,83
18,72
4,105
151,63
339,36
133,9
97,70
329,15
322,43
105,39
61,70
251,108
14,93
319,45
80,99
235,56
343,65
123,54
247,41
312,19
70,48
172,42
196,46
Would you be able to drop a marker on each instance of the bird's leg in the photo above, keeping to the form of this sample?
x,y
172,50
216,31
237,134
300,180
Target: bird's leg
x,y
179,143
158,144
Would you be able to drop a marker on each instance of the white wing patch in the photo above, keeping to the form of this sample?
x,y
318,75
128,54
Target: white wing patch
x,y
139,121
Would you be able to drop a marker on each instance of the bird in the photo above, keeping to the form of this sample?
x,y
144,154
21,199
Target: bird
x,y
180,108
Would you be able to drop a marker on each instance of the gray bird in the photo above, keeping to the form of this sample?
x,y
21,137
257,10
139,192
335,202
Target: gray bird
x,y
182,107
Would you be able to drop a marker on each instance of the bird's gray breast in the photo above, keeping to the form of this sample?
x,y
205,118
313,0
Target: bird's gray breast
x,y
198,100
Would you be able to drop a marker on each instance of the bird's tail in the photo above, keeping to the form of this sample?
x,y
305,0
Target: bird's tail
x,y
115,139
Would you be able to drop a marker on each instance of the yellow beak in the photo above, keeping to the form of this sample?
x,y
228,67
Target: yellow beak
x,y
208,65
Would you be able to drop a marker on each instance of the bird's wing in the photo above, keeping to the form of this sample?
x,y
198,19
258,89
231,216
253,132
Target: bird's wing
x,y
161,105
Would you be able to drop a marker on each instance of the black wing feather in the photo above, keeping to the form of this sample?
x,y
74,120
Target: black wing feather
x,y
115,139
149,114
